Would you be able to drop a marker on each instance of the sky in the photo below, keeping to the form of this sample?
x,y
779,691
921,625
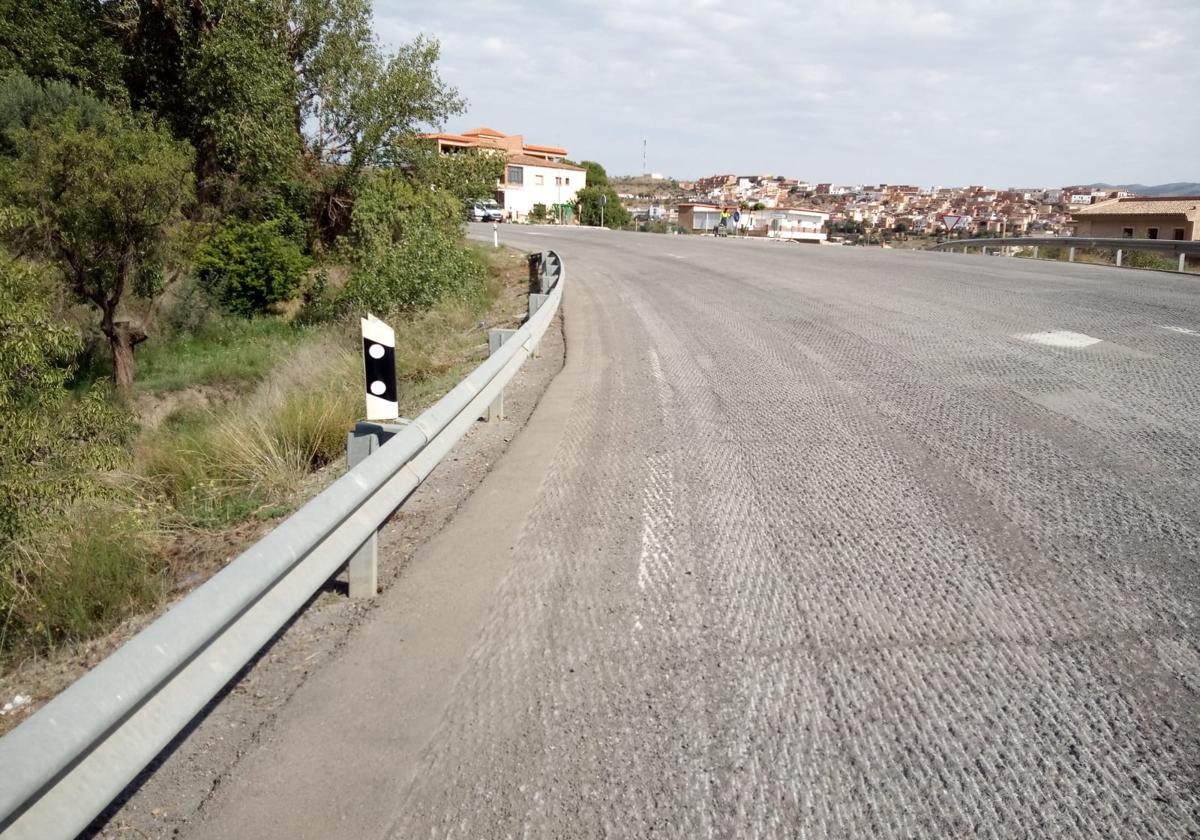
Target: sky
x,y
924,92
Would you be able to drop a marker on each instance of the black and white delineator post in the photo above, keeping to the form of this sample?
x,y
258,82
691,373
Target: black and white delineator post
x,y
379,364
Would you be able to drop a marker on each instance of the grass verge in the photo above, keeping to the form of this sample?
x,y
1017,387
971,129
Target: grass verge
x,y
206,476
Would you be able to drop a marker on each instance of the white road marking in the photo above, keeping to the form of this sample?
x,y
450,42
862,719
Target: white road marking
x,y
1183,330
1060,338
677,256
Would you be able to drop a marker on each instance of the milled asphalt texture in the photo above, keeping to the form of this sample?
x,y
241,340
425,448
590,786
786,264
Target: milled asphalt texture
x,y
825,548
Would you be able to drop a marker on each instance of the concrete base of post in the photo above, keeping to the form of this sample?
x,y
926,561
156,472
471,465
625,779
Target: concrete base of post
x,y
363,568
496,338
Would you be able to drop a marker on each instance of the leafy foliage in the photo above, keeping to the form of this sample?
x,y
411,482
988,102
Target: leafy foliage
x,y
62,40
25,103
49,442
218,73
469,175
596,174
405,240
614,213
101,202
249,267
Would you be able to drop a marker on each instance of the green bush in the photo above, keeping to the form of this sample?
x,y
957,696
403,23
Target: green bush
x,y
70,557
538,213
76,582
1149,259
52,444
250,267
413,275
406,242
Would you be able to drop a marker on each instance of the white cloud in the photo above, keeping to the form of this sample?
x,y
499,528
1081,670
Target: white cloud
x,y
923,91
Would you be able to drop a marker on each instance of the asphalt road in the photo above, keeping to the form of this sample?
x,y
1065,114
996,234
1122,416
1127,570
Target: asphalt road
x,y
803,542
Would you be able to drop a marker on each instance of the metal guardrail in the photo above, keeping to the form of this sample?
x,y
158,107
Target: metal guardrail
x,y
1181,248
67,762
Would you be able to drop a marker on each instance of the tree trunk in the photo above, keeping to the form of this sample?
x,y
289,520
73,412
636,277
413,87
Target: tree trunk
x,y
122,338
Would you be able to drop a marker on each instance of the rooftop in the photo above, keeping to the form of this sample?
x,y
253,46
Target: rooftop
x,y
1184,205
531,160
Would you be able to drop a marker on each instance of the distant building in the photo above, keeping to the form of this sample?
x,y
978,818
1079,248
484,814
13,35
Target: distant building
x,y
533,175
1175,218
799,224
699,217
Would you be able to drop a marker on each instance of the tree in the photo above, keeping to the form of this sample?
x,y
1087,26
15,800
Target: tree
x,y
367,109
101,202
596,174
24,103
64,40
405,241
468,175
614,213
218,72
249,267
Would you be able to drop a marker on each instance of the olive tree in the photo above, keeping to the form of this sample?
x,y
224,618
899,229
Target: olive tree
x,y
101,202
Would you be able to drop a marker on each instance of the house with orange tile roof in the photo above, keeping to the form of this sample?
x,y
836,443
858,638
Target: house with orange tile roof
x,y
534,174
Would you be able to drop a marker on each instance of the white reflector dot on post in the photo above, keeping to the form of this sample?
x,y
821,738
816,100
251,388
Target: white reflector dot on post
x,y
377,387
376,352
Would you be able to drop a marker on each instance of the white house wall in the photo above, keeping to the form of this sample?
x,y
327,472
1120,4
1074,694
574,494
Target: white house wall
x,y
520,200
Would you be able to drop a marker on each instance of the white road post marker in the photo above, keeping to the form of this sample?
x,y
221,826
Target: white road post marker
x,y
379,367
495,234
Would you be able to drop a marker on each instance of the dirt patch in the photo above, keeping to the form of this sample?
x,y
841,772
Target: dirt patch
x,y
152,409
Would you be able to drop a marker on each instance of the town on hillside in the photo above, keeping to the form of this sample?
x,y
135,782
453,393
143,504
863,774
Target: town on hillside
x,y
913,210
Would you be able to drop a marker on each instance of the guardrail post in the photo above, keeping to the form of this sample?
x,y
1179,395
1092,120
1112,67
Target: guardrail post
x,y
1120,254
363,568
1035,252
1071,254
496,338
1183,262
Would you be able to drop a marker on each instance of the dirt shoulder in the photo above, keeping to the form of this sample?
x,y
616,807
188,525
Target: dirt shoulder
x,y
173,790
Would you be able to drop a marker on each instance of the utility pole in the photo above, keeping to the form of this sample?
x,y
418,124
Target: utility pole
x,y
645,171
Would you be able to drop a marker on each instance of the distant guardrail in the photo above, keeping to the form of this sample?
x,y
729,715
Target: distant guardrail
x,y
1181,248
68,761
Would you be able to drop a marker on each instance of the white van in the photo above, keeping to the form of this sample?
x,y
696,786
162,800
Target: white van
x,y
484,211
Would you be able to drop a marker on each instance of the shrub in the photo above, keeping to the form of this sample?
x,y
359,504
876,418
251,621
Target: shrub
x,y
1149,259
216,468
250,267
406,243
75,582
538,213
413,275
71,560
52,445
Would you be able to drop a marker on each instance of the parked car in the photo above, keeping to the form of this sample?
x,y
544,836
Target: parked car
x,y
484,211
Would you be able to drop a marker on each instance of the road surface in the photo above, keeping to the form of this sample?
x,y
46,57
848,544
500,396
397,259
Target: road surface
x,y
803,542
